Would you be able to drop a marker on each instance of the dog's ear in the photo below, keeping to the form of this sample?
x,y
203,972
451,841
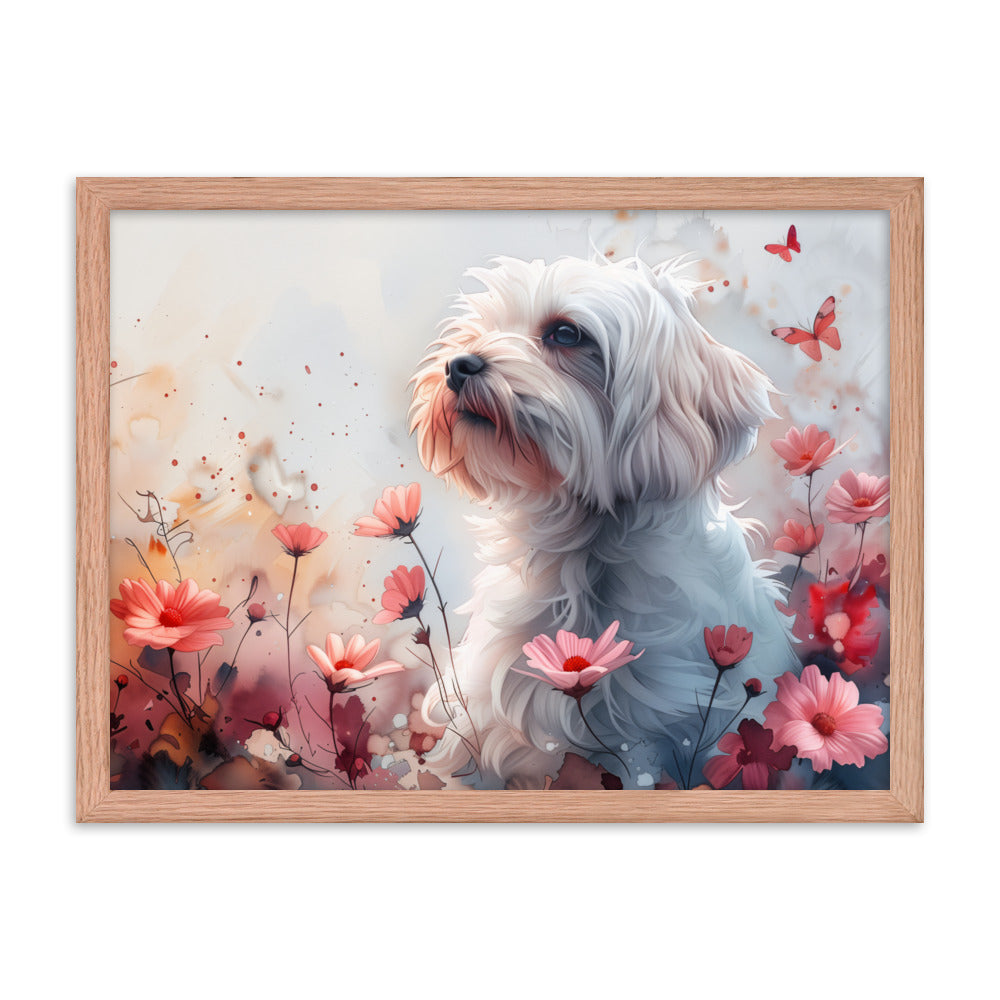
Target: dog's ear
x,y
685,405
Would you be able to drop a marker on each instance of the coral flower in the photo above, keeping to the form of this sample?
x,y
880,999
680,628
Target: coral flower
x,y
574,664
807,451
727,647
823,720
799,539
344,666
185,619
856,497
842,619
299,539
404,595
748,751
395,513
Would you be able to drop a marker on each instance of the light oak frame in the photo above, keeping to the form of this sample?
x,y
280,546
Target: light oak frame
x,y
902,198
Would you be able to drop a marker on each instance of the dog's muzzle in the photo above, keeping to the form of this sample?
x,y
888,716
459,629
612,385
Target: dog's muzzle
x,y
459,370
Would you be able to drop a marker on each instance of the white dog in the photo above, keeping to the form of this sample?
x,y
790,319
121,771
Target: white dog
x,y
584,405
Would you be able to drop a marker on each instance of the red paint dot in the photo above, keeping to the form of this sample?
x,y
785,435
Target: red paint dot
x,y
314,487
308,370
114,364
711,288
725,284
834,405
239,362
174,462
249,496
241,435
355,383
341,353
197,496
138,321
275,493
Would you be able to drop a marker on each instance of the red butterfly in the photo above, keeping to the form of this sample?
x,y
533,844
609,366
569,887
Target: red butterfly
x,y
783,251
822,331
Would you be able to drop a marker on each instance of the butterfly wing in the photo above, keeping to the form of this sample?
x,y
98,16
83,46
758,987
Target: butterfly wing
x,y
831,337
782,251
801,338
792,241
824,317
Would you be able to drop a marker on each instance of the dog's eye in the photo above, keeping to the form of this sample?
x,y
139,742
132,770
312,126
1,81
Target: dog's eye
x,y
564,334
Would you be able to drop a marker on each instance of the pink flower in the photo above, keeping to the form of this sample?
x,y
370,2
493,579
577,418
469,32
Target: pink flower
x,y
799,539
404,595
185,619
823,720
749,750
805,452
298,539
856,497
727,647
344,666
574,664
395,513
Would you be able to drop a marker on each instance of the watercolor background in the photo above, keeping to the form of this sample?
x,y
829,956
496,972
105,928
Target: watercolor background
x,y
259,374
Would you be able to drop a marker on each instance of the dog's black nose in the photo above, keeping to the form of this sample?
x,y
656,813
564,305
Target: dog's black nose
x,y
461,368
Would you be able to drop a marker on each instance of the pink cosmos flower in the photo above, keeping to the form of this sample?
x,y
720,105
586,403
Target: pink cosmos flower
x,y
344,666
404,595
749,750
806,451
823,720
184,618
727,647
299,539
856,497
395,513
799,539
574,664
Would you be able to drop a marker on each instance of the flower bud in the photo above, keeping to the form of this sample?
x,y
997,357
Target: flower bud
x,y
122,681
753,687
256,612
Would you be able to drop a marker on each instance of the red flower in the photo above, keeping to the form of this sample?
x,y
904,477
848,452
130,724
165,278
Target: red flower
x,y
183,618
806,451
395,513
404,595
727,647
748,751
841,620
799,539
299,539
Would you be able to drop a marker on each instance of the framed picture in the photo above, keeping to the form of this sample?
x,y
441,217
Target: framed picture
x,y
500,499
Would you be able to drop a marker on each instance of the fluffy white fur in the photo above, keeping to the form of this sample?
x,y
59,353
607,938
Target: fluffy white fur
x,y
599,466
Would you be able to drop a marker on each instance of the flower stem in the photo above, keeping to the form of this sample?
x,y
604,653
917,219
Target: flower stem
x,y
177,691
856,570
232,665
704,724
795,577
579,705
288,652
333,733
820,575
447,634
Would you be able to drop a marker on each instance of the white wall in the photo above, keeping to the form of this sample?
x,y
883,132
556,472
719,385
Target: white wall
x,y
512,88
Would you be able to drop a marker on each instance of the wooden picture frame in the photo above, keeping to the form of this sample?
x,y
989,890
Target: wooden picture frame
x,y
901,198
